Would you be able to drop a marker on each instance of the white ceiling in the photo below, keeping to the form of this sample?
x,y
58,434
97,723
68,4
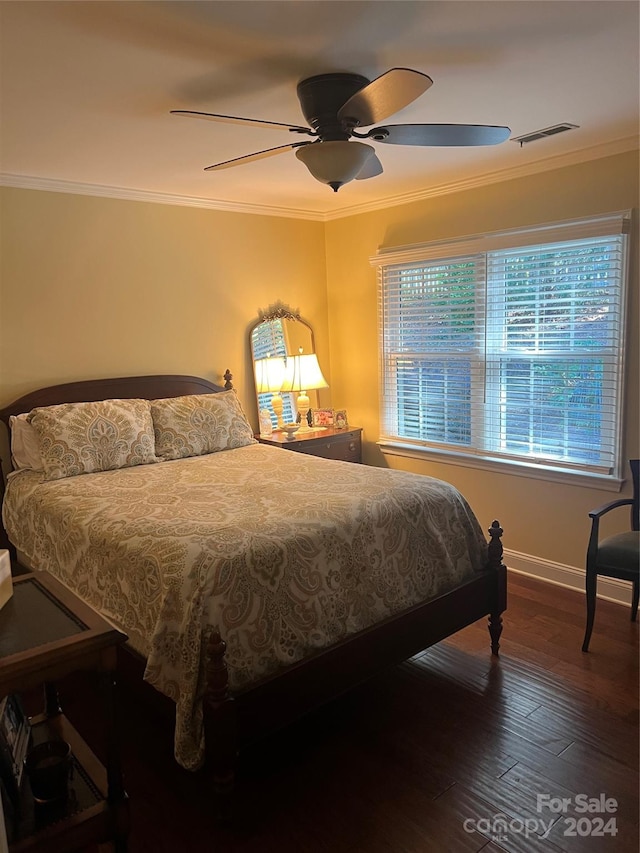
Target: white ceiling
x,y
86,89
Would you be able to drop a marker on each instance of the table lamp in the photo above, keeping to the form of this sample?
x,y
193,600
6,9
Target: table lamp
x,y
270,376
302,374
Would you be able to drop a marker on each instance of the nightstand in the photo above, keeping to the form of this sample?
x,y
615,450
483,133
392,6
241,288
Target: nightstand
x,y
344,445
46,632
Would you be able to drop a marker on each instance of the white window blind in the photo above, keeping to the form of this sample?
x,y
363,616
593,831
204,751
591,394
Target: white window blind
x,y
512,352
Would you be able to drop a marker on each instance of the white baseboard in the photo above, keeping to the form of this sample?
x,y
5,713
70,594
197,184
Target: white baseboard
x,y
567,576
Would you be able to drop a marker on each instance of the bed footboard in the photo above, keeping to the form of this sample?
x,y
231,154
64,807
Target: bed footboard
x,y
233,721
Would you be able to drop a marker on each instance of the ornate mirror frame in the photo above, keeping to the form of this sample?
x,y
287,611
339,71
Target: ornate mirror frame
x,y
279,331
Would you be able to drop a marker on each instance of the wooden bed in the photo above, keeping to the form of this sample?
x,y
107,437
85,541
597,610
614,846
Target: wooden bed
x,y
231,721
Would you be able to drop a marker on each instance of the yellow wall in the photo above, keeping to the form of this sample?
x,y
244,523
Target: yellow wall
x,y
540,518
94,287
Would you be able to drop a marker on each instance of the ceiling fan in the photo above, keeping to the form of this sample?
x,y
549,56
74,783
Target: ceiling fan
x,y
336,105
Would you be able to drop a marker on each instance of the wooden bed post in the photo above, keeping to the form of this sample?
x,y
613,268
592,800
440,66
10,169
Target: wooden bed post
x,y
495,551
221,731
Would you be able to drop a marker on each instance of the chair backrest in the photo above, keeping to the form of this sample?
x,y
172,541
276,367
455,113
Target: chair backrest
x,y
635,508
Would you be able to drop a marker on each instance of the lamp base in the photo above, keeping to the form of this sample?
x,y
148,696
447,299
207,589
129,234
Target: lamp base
x,y
277,406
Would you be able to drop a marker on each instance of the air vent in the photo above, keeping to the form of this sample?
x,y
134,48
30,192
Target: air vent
x,y
540,134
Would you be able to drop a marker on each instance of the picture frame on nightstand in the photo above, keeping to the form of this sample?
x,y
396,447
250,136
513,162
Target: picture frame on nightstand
x,y
341,421
322,417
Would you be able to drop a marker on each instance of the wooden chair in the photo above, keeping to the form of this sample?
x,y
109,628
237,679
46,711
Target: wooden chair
x,y
615,557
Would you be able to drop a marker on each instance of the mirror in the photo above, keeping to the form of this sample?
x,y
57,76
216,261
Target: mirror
x,y
279,332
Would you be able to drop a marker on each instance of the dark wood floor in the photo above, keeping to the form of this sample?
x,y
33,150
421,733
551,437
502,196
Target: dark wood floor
x,y
448,752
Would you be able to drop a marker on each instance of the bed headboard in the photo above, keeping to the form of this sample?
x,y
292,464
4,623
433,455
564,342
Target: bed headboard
x,y
122,388
89,390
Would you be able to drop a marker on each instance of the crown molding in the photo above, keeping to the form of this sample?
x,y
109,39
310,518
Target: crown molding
x,y
27,182
583,155
573,158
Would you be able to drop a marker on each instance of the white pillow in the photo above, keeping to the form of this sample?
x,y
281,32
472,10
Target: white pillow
x,y
25,444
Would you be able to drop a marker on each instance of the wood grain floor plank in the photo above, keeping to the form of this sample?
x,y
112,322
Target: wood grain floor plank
x,y
481,814
619,741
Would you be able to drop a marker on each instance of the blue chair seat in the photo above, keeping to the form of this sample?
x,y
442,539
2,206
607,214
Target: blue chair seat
x,y
616,556
620,554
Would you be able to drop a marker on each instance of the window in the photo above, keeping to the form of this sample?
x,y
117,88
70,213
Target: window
x,y
508,347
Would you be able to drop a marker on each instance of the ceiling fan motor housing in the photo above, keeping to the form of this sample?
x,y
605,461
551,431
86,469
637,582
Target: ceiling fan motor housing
x,y
322,96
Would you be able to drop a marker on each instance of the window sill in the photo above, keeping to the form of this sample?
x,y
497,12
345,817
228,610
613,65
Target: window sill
x,y
529,470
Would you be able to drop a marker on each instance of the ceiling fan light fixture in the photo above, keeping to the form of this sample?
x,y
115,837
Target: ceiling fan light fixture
x,y
335,162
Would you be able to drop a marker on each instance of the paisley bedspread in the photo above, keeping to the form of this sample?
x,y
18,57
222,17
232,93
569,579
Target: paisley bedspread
x,y
284,553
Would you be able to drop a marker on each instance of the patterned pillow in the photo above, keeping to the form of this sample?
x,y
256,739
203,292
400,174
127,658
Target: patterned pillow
x,y
199,424
82,438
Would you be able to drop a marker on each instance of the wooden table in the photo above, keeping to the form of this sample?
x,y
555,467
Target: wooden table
x,y
46,632
330,442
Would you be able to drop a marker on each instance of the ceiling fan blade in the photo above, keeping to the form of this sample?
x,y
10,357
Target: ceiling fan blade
x,y
371,168
439,134
276,125
384,96
257,155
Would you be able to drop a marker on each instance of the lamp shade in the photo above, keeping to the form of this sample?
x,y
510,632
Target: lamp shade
x,y
270,374
334,162
303,373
